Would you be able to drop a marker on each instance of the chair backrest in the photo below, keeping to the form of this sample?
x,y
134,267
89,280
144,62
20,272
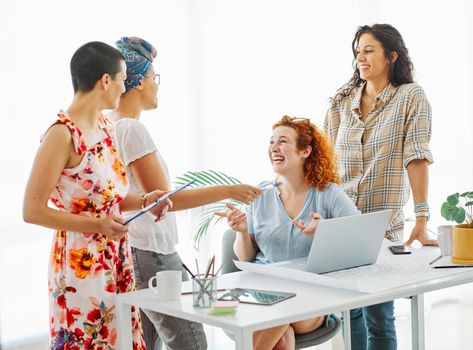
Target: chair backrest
x,y
228,255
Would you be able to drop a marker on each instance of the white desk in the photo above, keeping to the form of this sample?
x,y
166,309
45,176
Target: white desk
x,y
311,301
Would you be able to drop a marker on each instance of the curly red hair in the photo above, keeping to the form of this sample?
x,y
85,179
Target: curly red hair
x,y
320,168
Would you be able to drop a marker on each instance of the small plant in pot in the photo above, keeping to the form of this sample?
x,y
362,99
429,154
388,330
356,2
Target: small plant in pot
x,y
459,208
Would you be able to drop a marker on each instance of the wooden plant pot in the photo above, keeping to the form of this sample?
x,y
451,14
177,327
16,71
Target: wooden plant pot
x,y
462,245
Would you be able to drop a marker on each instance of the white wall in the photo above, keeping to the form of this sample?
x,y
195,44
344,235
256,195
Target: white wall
x,y
229,70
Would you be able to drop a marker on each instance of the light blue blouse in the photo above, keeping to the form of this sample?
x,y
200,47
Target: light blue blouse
x,y
277,238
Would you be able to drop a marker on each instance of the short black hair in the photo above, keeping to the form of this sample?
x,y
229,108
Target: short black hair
x,y
90,62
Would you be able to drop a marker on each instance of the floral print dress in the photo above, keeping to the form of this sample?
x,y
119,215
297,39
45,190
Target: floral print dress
x,y
87,270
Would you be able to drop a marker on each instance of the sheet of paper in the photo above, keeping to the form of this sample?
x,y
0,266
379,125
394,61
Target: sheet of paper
x,y
296,275
388,272
392,271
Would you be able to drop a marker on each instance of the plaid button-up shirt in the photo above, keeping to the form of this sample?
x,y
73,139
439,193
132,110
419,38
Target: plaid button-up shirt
x,y
373,155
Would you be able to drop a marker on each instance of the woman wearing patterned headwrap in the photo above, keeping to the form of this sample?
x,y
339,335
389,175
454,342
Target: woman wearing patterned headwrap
x,y
78,170
153,244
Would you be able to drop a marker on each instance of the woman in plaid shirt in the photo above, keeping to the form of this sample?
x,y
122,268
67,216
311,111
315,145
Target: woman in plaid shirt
x,y
380,125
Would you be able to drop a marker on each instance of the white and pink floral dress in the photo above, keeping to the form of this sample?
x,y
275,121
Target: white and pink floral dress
x,y
87,270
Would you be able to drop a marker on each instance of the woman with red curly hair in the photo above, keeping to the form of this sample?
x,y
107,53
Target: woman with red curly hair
x,y
281,223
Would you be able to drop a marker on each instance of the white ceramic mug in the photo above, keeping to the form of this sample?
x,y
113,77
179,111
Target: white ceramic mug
x,y
444,237
168,285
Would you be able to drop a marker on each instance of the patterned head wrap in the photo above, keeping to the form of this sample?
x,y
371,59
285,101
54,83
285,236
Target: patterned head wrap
x,y
139,55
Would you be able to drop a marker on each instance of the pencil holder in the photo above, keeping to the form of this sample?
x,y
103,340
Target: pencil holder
x,y
204,290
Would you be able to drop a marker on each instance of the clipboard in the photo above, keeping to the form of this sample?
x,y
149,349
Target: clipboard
x,y
156,202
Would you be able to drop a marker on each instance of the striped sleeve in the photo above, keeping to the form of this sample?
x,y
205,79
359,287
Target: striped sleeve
x,y
418,129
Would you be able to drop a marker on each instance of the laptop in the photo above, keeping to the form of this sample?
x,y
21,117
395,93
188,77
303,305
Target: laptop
x,y
344,242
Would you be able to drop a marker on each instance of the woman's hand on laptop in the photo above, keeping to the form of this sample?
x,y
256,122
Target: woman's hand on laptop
x,y
236,218
308,230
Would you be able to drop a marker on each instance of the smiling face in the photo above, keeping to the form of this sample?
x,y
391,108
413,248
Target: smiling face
x,y
371,59
283,152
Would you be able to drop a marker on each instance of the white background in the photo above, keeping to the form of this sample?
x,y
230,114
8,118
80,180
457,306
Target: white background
x,y
229,70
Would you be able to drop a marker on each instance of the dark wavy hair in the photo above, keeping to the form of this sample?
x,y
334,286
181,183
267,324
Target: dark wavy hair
x,y
320,167
400,71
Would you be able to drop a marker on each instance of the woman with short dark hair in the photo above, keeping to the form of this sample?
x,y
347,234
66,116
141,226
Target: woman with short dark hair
x,y
77,168
380,125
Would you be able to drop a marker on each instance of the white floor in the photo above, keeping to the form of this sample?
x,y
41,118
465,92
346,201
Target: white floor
x,y
448,325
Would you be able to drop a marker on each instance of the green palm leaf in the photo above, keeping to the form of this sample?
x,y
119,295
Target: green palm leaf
x,y
206,217
206,178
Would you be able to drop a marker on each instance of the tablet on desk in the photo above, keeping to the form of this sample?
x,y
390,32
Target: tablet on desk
x,y
156,202
255,296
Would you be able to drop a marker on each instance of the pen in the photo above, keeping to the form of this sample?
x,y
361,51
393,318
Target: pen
x,y
452,267
187,269
436,259
196,279
216,273
209,266
197,265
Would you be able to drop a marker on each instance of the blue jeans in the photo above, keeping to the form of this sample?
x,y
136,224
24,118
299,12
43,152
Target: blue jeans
x,y
372,327
175,333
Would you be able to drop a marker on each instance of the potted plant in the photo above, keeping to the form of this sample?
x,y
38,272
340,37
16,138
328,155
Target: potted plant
x,y
206,217
459,208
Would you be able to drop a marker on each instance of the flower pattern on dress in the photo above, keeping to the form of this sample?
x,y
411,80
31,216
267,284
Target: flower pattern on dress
x,y
87,269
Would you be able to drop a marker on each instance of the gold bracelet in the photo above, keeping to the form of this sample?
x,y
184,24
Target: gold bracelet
x,y
144,197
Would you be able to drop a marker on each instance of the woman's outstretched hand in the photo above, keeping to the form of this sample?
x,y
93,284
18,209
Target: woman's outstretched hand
x,y
243,193
236,219
160,210
312,228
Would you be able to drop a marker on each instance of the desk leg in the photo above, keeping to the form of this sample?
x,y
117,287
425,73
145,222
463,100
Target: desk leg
x,y
243,340
417,321
124,329
346,329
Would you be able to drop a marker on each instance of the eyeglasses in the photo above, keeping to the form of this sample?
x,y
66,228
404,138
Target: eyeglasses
x,y
297,119
300,120
156,78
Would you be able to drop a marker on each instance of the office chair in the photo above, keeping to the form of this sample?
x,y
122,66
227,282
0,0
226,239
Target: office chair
x,y
319,336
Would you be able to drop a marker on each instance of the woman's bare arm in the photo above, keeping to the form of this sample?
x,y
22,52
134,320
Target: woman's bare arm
x,y
52,158
150,176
